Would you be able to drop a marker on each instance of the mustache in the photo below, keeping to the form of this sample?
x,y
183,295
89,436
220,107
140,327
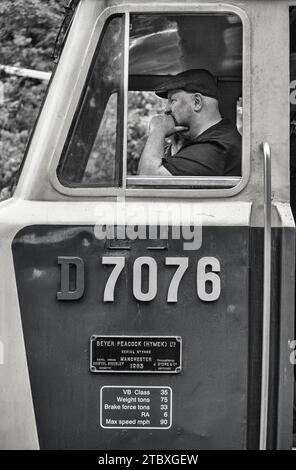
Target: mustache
x,y
175,120
173,117
180,135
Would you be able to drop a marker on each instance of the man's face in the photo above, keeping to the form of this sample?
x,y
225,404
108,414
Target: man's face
x,y
180,105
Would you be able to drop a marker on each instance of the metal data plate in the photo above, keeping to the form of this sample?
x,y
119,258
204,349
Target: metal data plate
x,y
135,407
146,354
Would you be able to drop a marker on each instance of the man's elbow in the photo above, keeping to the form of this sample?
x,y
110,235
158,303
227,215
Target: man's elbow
x,y
151,170
147,169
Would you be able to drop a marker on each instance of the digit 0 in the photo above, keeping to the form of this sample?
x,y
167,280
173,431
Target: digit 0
x,y
152,279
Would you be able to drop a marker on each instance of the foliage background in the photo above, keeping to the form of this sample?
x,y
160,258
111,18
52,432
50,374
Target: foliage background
x,y
28,29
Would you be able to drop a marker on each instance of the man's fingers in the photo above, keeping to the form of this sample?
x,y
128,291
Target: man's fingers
x,y
181,128
165,124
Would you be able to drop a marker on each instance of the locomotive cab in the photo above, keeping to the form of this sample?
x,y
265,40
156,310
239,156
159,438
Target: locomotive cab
x,y
143,311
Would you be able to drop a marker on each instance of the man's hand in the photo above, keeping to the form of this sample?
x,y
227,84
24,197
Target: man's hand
x,y
161,126
165,125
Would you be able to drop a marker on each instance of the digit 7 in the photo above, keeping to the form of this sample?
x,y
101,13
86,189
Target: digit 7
x,y
119,262
182,264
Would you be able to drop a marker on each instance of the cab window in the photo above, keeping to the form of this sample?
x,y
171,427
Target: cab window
x,y
92,153
162,47
159,48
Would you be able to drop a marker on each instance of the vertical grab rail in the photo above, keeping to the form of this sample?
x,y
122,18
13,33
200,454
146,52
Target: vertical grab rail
x,y
266,297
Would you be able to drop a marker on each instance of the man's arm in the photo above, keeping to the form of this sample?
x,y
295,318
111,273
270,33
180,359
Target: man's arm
x,y
200,159
150,163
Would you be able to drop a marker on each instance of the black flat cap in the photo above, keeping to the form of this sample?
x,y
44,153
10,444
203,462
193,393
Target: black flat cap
x,y
194,80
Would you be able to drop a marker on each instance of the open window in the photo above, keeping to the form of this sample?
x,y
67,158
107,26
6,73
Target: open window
x,y
106,141
161,46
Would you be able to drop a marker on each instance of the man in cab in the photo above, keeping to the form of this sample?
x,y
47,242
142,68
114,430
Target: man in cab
x,y
203,142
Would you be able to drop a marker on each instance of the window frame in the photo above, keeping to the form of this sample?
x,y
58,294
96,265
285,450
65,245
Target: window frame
x,y
150,188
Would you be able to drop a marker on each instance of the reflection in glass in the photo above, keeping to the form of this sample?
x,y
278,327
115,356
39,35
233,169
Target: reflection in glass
x,y
91,153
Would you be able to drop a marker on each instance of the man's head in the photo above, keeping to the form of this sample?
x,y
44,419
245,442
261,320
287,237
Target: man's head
x,y
192,98
195,80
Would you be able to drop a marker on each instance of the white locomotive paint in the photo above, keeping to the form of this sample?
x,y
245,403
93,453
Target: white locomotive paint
x,y
1,353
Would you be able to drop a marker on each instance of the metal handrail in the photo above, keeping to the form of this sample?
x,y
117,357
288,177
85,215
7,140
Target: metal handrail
x,y
266,297
23,72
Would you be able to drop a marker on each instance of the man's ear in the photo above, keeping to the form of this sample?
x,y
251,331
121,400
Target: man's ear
x,y
198,102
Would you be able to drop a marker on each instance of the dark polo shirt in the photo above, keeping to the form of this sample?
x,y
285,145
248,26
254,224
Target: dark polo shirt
x,y
215,152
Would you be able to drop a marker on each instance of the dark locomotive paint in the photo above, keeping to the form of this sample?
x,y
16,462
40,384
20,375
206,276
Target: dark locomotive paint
x,y
216,397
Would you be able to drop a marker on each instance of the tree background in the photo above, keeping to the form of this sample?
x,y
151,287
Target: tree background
x,y
28,30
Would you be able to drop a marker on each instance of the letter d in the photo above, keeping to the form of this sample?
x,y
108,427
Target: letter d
x,y
65,293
